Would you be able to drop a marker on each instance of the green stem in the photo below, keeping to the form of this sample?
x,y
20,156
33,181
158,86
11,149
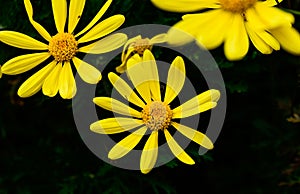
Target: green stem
x,y
291,11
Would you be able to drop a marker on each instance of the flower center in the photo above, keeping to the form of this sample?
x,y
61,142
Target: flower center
x,y
141,45
157,115
239,6
63,46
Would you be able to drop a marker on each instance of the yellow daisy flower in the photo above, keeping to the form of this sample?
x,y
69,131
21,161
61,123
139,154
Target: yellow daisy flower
x,y
234,22
138,45
156,115
63,47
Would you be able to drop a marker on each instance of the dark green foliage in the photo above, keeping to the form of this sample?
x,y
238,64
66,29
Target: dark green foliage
x,y
257,151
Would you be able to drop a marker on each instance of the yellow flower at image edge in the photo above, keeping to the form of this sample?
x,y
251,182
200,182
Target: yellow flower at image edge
x,y
156,115
234,22
57,76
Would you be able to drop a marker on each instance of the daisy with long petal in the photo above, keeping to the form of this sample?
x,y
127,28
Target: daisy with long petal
x,y
57,76
156,115
137,45
233,22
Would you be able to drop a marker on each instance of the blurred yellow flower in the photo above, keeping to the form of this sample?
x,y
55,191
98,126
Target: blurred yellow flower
x,y
0,72
138,45
294,119
234,22
63,47
155,113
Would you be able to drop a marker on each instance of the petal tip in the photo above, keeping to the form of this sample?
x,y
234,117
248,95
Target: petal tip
x,y
213,104
98,78
112,156
216,94
145,171
21,93
95,100
207,144
95,126
111,75
192,162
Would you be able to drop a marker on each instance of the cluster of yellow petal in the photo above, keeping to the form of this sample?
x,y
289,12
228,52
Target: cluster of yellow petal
x,y
233,22
138,45
156,115
57,76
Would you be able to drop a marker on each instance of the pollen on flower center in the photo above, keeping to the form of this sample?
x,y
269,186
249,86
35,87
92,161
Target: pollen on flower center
x,y
63,46
141,45
157,115
239,6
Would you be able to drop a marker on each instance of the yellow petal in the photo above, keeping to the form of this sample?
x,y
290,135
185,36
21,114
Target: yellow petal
x,y
269,39
211,35
271,2
127,46
0,72
59,8
106,44
87,72
51,83
139,77
103,28
192,26
177,150
204,16
272,16
181,33
123,67
116,106
288,38
259,43
194,135
22,41
36,25
185,5
32,85
126,56
150,67
24,63
160,38
254,19
207,96
75,13
149,154
66,84
198,104
175,81
124,89
127,144
96,18
115,125
262,40
236,43
182,112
